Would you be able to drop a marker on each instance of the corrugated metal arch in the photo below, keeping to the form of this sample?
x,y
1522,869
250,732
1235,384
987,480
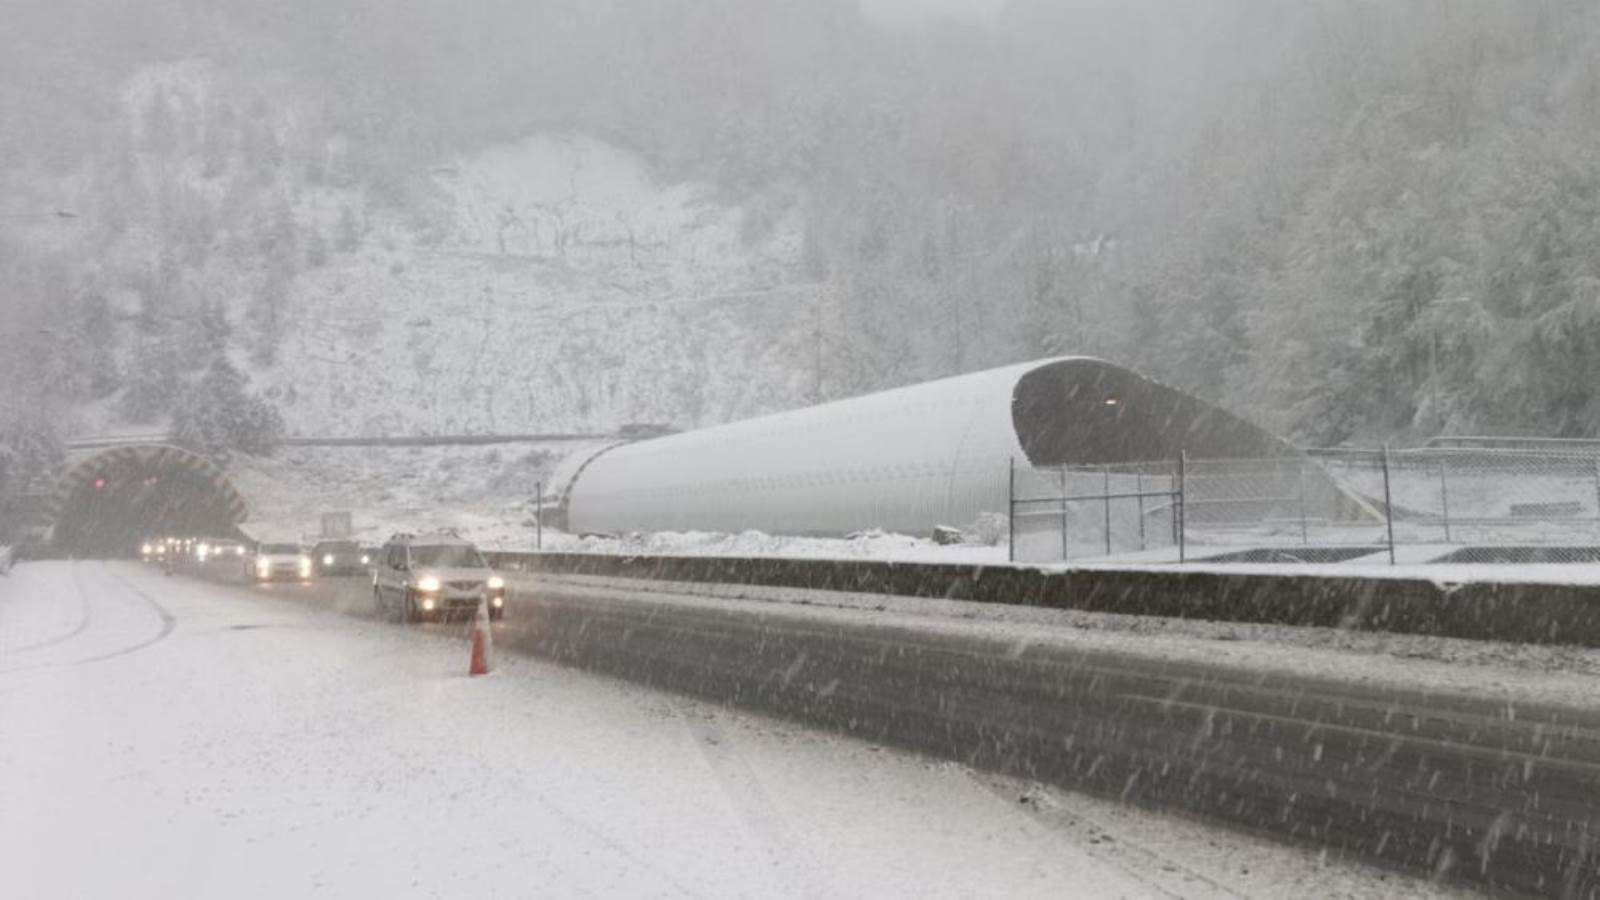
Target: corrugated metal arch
x,y
906,460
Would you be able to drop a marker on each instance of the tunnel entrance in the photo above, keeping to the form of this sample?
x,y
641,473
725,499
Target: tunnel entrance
x,y
1086,412
112,502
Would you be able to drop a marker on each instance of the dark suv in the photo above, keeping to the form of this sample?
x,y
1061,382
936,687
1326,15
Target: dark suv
x,y
339,558
433,576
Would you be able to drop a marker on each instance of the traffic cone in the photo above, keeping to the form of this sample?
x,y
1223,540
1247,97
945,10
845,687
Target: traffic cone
x,y
481,641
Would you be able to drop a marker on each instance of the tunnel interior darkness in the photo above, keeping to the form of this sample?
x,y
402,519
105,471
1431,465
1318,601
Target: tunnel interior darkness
x,y
1086,412
115,501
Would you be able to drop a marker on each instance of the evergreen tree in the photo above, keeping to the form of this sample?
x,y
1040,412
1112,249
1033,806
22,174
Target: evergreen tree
x,y
217,416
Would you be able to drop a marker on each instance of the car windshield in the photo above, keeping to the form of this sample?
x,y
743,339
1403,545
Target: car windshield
x,y
279,549
448,556
337,547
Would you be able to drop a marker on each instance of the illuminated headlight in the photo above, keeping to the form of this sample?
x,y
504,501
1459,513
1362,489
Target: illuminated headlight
x,y
327,559
263,568
428,585
147,549
496,583
498,601
238,551
365,559
202,552
427,604
305,567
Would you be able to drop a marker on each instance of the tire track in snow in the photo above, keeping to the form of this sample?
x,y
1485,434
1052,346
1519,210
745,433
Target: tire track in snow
x,y
1139,862
743,789
167,619
83,617
168,622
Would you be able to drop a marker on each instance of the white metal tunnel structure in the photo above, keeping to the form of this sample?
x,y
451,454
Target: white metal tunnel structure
x,y
904,460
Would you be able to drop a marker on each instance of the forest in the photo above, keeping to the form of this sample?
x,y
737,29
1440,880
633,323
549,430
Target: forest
x,y
1348,221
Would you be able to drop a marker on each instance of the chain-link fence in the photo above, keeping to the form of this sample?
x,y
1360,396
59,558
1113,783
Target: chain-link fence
x,y
1328,506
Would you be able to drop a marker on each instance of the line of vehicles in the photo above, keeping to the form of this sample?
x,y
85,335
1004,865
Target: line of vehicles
x,y
415,577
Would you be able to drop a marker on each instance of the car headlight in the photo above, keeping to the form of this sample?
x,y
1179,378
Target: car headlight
x,y
427,605
263,567
428,584
305,565
365,559
499,602
496,582
327,559
146,550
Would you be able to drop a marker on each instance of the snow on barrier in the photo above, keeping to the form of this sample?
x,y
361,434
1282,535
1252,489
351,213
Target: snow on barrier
x,y
1500,611
5,560
1457,787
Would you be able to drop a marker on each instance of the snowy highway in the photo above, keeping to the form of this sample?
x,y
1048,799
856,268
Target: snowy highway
x,y
174,737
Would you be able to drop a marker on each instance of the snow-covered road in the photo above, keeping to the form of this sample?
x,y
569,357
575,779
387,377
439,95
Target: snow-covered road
x,y
164,737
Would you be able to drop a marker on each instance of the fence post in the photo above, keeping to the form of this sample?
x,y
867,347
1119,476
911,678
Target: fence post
x,y
1182,507
1300,476
1065,493
1108,509
538,515
1139,489
1444,496
1011,509
1597,488
1388,503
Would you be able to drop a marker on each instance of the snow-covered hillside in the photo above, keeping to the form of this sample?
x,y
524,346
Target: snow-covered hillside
x,y
556,285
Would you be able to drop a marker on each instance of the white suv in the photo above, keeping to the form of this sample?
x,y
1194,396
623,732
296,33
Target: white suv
x,y
273,562
430,576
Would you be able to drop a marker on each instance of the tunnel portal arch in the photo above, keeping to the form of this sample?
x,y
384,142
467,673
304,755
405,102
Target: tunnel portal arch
x,y
109,502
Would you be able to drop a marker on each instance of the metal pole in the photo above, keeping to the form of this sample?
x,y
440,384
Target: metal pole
x,y
1064,494
538,516
1011,509
1597,489
1444,497
1182,509
1138,475
1388,503
1108,510
1300,475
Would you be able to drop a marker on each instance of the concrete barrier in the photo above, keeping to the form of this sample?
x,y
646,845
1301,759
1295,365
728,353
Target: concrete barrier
x,y
1501,611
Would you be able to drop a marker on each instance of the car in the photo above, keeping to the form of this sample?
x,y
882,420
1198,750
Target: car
x,y
434,576
218,551
339,558
276,561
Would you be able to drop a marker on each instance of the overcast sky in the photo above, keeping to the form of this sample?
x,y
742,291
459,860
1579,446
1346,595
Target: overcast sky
x,y
899,11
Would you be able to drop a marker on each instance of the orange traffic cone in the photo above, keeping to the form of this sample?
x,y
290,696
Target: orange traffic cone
x,y
481,641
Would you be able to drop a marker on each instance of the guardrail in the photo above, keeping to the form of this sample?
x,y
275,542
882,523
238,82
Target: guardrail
x,y
1494,611
1456,787
444,440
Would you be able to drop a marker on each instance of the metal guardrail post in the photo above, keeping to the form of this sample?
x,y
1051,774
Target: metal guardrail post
x,y
538,516
1011,509
1388,503
1182,507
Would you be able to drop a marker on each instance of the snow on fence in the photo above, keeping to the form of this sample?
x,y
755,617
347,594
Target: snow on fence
x,y
1429,505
